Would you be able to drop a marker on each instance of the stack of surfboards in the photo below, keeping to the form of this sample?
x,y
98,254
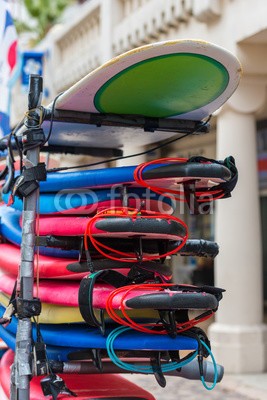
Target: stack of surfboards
x,y
103,235
121,229
75,284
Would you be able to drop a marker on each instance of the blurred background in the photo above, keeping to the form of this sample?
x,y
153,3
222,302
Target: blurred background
x,y
65,39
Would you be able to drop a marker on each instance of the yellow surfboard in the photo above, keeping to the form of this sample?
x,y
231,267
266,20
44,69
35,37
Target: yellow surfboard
x,y
55,314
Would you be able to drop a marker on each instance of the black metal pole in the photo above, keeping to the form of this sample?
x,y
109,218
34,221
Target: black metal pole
x,y
22,364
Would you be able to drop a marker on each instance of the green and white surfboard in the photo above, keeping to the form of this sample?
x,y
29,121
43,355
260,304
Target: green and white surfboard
x,y
184,79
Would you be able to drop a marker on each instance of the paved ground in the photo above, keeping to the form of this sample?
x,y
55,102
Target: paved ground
x,y
231,388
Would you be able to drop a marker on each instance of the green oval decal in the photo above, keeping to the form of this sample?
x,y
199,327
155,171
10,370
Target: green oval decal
x,y
163,86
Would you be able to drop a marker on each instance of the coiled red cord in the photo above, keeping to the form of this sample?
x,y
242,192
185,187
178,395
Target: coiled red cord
x,y
148,327
174,194
127,212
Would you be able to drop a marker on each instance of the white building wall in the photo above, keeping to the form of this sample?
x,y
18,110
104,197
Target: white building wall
x,y
99,29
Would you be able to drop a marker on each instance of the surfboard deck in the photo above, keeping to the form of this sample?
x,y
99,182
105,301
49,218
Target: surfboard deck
x,y
10,229
82,336
71,226
65,293
203,74
88,201
60,292
169,176
53,313
86,386
49,267
60,353
113,227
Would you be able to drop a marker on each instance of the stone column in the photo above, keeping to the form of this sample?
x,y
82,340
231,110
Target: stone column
x,y
110,14
132,149
106,30
238,336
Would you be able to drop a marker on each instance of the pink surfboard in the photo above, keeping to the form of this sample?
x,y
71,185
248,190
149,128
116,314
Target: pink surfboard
x,y
66,293
112,227
49,267
165,299
60,292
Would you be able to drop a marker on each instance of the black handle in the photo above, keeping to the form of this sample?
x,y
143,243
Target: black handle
x,y
35,91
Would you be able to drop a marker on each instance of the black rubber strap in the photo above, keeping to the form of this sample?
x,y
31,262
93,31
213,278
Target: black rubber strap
x,y
225,187
85,296
28,308
29,180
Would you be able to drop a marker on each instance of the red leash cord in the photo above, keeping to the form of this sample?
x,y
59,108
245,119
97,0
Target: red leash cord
x,y
174,194
146,328
126,212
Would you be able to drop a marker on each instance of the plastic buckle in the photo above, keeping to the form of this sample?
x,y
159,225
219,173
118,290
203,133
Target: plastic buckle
x,y
40,362
53,385
151,124
26,188
28,308
32,136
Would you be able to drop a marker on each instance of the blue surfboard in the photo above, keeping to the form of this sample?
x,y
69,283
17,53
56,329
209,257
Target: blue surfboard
x,y
87,201
53,352
169,175
65,354
82,336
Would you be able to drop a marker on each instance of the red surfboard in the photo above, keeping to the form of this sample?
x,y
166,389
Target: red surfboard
x,y
66,293
49,267
113,226
60,292
85,386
